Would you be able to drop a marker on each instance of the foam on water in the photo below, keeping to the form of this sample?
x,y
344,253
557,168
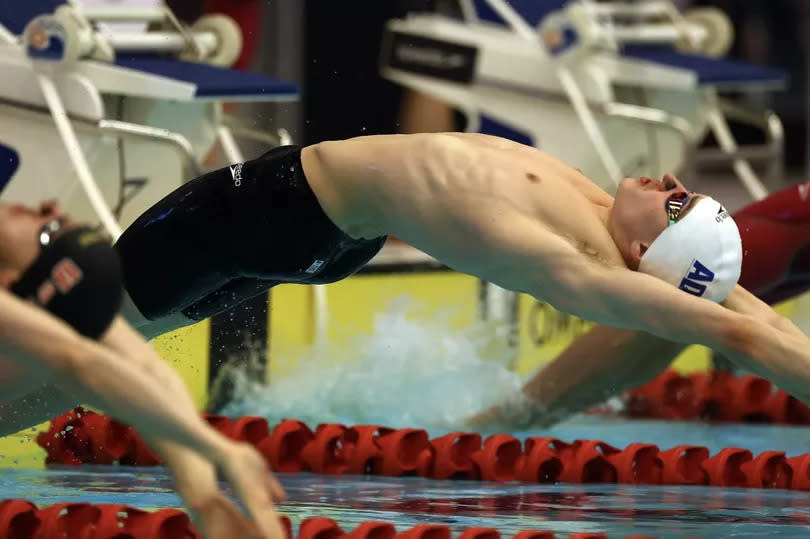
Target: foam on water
x,y
407,373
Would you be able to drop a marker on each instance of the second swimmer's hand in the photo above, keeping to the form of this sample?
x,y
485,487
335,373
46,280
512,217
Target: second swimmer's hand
x,y
511,415
257,488
217,517
498,419
487,418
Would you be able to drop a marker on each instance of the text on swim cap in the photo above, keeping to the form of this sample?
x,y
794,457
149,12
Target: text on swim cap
x,y
693,282
64,277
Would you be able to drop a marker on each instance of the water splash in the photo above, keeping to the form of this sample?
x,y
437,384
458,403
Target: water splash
x,y
408,373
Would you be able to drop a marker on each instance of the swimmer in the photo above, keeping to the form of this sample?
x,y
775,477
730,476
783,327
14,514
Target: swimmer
x,y
658,258
62,343
607,361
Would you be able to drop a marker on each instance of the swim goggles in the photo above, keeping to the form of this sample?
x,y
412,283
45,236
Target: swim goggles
x,y
674,206
47,232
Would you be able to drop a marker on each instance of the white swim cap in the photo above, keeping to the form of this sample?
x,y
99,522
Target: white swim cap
x,y
700,254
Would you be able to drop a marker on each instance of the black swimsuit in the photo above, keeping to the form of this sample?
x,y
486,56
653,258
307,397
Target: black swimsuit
x,y
232,234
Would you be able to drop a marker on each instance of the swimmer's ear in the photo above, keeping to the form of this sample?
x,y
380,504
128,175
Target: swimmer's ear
x,y
637,250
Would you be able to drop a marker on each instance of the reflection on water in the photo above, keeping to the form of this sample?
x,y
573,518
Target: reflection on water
x,y
618,510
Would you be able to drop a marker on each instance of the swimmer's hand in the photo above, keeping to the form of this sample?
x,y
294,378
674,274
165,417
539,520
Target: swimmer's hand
x,y
217,517
517,414
486,419
257,488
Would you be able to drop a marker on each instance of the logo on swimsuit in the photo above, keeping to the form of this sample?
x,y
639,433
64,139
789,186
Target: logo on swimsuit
x,y
315,266
236,174
693,282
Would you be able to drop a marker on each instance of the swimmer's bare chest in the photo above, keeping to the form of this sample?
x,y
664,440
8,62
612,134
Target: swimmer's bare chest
x,y
466,204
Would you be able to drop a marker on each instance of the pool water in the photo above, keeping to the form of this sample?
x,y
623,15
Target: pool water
x,y
667,512
618,510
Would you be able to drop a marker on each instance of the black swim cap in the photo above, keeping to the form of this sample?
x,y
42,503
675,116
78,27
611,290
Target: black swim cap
x,y
76,277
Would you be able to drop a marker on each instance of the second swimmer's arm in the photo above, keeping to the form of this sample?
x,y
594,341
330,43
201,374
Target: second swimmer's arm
x,y
97,376
194,476
598,365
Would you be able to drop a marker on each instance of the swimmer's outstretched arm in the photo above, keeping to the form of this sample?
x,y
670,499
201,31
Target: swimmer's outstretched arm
x,y
747,331
96,375
604,362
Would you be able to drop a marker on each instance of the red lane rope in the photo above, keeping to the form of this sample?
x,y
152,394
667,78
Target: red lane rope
x,y
20,519
86,437
715,396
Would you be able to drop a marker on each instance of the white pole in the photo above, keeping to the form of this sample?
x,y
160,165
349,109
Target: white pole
x,y
590,124
76,155
742,167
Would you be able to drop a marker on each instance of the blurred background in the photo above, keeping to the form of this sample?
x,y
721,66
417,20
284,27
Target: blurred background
x,y
333,50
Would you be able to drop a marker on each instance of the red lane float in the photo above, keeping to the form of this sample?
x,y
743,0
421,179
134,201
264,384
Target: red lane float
x,y
86,437
715,396
20,519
